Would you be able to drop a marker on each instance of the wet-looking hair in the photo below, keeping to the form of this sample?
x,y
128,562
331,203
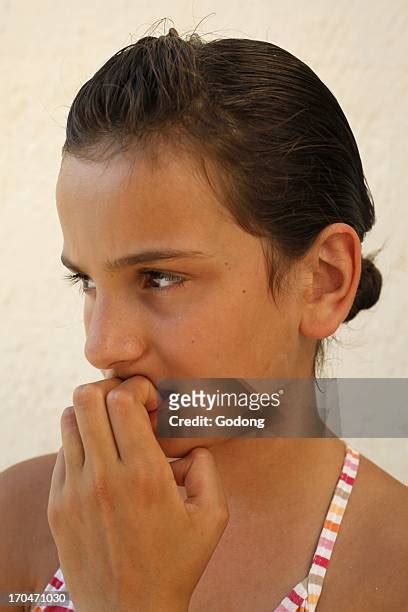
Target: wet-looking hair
x,y
285,157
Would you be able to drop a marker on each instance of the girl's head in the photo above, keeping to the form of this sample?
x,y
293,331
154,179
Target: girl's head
x,y
234,151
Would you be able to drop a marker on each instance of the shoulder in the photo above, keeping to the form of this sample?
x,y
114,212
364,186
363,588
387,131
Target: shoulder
x,y
370,556
27,549
383,503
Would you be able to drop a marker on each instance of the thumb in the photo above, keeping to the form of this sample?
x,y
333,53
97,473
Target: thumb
x,y
199,474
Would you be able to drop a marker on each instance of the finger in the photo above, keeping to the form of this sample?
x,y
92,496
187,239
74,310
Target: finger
x,y
74,454
58,475
199,474
58,480
93,422
128,406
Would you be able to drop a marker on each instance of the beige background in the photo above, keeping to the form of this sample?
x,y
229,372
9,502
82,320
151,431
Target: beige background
x,y
47,51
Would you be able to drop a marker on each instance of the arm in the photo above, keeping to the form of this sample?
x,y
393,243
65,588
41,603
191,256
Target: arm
x,y
13,567
27,561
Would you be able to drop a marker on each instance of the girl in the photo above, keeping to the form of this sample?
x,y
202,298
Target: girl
x,y
213,205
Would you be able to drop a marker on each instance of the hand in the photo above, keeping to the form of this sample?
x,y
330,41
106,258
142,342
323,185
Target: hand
x,y
126,539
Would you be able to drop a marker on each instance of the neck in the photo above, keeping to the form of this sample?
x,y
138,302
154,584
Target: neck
x,y
274,471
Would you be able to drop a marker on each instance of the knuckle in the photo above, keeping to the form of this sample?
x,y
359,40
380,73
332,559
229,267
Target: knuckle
x,y
119,398
200,453
223,515
220,517
145,384
68,413
86,393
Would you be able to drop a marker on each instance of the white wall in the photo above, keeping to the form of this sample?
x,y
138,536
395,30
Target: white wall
x,y
49,48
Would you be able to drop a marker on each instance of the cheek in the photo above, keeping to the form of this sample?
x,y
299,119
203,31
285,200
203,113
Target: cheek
x,y
212,330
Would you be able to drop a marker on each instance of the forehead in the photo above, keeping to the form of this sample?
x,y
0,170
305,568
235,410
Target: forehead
x,y
136,197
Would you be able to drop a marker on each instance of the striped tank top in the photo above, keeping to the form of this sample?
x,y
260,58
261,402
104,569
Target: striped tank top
x,y
305,595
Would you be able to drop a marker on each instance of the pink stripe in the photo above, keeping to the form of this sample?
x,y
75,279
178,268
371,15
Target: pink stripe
x,y
326,543
351,464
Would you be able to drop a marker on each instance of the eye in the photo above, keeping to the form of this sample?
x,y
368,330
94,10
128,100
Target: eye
x,y
171,281
157,275
73,279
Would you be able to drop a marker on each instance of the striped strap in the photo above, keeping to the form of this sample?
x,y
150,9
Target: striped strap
x,y
331,527
305,595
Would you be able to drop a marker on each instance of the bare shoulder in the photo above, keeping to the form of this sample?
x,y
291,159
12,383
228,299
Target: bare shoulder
x,y
27,548
370,558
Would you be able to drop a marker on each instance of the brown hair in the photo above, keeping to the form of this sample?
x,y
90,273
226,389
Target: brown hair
x,y
284,153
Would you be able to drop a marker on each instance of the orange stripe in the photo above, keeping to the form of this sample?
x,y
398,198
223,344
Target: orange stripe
x,y
332,526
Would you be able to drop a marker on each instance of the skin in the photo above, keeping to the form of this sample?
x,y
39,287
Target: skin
x,y
222,322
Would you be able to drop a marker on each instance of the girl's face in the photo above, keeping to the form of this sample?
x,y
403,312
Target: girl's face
x,y
186,291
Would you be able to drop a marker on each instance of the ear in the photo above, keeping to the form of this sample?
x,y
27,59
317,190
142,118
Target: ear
x,y
332,274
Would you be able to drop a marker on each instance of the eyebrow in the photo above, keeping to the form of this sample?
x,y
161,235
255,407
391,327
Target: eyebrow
x,y
137,258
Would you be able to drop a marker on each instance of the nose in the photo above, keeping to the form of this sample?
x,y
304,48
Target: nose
x,y
114,333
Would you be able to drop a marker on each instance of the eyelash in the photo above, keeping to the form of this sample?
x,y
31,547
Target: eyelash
x,y
74,278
